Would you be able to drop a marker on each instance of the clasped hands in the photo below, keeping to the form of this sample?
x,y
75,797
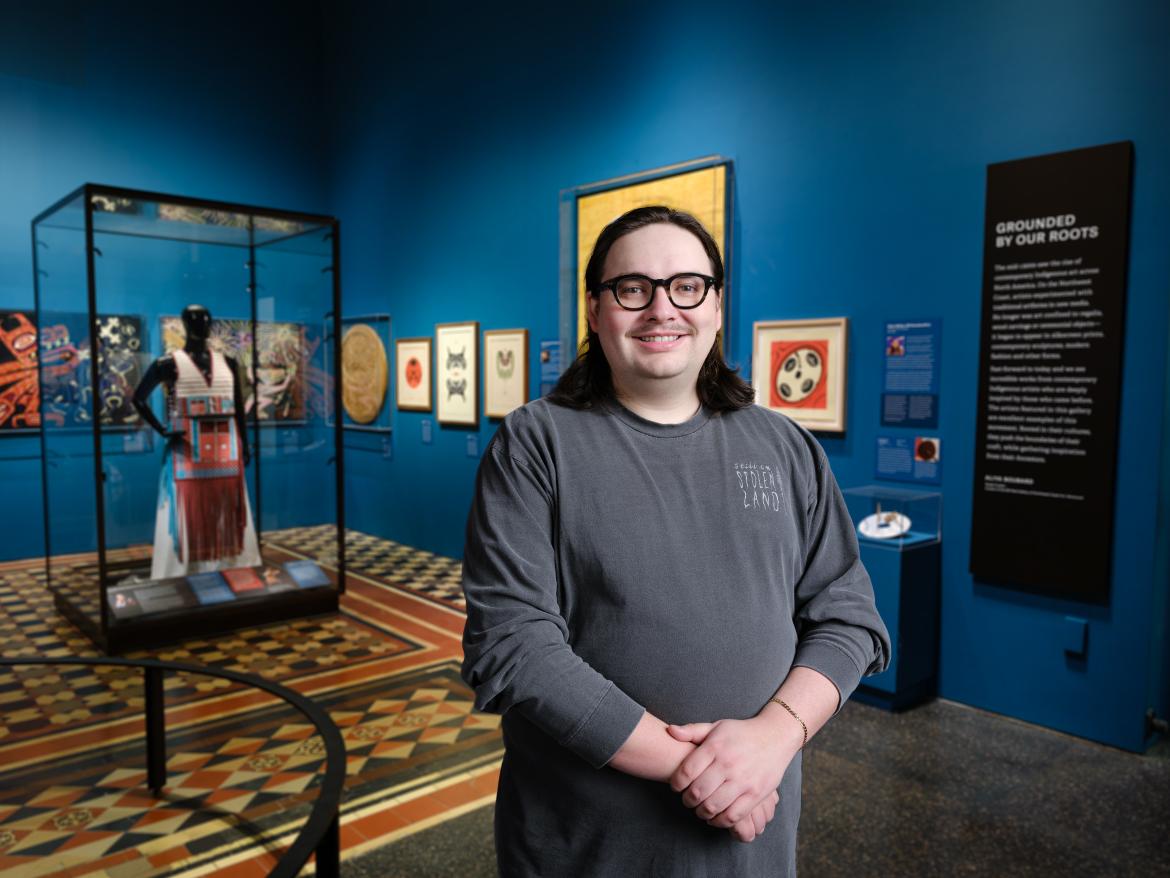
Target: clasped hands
x,y
730,778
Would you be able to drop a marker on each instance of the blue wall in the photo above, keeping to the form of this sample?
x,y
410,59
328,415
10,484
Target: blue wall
x,y
219,100
1158,687
860,137
442,136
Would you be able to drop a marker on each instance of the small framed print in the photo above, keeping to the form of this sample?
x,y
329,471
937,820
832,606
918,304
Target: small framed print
x,y
412,369
456,370
505,371
798,368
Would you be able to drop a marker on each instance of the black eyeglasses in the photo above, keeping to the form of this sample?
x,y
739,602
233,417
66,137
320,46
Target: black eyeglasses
x,y
635,292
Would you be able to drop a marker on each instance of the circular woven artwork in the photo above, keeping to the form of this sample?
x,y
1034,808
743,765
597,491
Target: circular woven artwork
x,y
363,373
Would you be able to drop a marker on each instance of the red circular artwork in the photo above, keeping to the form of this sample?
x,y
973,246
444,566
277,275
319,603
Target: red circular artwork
x,y
413,372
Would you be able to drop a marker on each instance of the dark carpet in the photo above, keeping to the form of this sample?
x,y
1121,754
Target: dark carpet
x,y
940,790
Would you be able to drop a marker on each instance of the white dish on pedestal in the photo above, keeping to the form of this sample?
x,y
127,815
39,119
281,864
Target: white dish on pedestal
x,y
884,525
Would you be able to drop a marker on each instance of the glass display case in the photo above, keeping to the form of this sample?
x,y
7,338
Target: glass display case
x,y
237,482
895,517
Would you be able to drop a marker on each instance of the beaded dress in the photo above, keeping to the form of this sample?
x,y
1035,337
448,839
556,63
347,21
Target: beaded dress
x,y
203,520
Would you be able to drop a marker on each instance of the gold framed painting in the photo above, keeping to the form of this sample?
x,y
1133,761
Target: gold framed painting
x,y
412,370
505,371
457,373
703,192
798,368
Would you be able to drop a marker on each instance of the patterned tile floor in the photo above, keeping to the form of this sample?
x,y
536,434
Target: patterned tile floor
x,y
431,576
242,767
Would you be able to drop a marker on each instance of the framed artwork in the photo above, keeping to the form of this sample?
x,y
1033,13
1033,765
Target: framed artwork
x,y
798,368
67,393
456,368
120,351
275,382
701,192
412,369
505,371
365,372
20,400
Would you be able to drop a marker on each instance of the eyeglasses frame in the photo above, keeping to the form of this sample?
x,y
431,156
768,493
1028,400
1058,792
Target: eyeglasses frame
x,y
663,282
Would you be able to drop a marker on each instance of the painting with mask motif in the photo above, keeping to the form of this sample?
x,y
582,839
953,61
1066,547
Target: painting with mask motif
x,y
20,402
456,368
275,366
67,399
120,354
412,365
505,371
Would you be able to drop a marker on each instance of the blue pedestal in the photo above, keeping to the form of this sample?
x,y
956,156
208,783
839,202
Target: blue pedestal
x,y
906,588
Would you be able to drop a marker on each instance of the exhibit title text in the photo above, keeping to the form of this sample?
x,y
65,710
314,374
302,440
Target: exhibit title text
x,y
1042,230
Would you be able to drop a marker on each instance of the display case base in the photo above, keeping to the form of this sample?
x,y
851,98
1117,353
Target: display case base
x,y
906,590
152,631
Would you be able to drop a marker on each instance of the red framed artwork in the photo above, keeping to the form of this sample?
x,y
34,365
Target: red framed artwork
x,y
412,367
798,369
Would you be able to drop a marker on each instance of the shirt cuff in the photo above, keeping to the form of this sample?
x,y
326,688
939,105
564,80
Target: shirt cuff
x,y
607,727
832,662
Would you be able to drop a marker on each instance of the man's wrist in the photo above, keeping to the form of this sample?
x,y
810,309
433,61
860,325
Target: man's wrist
x,y
786,727
651,752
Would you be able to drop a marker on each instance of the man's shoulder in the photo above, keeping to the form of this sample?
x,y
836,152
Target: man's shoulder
x,y
538,425
537,416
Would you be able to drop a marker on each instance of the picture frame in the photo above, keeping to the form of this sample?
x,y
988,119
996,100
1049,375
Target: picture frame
x,y
365,373
702,188
274,364
505,371
59,396
412,374
457,373
799,369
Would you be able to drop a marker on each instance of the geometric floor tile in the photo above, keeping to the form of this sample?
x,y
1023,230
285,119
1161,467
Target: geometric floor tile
x,y
434,577
241,776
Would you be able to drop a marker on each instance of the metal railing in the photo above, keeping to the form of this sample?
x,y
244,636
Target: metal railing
x,y
321,832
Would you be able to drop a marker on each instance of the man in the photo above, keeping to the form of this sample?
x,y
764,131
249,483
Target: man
x,y
646,547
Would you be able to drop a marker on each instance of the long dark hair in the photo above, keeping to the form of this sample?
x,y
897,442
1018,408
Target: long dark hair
x,y
588,380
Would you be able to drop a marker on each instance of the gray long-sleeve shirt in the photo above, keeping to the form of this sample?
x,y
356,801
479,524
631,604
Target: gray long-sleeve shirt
x,y
615,565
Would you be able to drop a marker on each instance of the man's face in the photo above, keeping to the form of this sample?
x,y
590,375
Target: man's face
x,y
662,343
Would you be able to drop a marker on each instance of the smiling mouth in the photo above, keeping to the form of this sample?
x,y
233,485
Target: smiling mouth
x,y
657,338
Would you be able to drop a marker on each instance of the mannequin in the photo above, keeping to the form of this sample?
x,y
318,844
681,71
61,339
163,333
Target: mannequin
x,y
204,520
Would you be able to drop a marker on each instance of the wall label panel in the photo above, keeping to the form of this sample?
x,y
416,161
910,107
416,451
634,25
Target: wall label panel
x,y
1054,277
911,383
909,459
